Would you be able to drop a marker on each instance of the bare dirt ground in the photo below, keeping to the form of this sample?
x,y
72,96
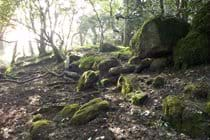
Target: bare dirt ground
x,y
18,103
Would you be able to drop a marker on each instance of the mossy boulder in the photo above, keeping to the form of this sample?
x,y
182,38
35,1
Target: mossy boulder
x,y
128,83
145,63
107,47
89,62
159,64
194,48
69,110
197,90
106,64
138,98
186,116
37,117
88,80
40,130
135,60
89,111
158,36
125,69
159,82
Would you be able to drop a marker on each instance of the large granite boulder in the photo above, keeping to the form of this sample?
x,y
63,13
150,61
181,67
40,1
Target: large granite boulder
x,y
158,36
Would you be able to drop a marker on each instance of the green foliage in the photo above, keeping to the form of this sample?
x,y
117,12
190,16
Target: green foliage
x,y
7,8
89,111
192,50
69,110
201,21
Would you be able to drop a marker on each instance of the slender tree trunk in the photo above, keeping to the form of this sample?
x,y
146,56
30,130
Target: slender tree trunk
x,y
14,55
127,28
162,7
31,48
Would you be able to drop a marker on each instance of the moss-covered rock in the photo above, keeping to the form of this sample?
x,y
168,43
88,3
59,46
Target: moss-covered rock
x,y
89,62
138,98
106,64
88,80
128,83
192,50
125,69
135,60
40,130
69,110
124,84
197,90
105,82
145,63
186,116
159,82
172,109
107,47
89,111
158,36
37,117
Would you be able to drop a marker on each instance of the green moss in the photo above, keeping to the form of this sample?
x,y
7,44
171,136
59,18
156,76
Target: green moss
x,y
69,110
89,111
136,37
87,80
37,117
38,126
197,90
159,82
105,82
89,62
192,50
125,85
123,51
138,98
208,107
172,109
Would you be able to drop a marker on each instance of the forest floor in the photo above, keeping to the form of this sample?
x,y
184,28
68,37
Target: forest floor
x,y
18,103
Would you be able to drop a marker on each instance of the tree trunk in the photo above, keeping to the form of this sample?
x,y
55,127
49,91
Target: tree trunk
x,y
31,48
14,55
127,27
162,7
